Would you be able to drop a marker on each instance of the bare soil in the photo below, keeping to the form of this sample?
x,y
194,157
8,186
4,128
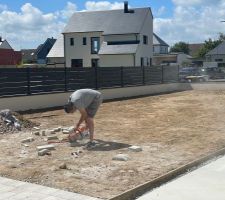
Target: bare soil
x,y
172,129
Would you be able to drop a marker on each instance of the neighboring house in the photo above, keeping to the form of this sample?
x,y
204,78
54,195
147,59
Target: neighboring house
x,y
109,38
180,59
28,56
217,55
159,46
55,57
8,57
43,50
194,49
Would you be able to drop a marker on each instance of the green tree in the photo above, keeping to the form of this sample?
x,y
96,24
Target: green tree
x,y
180,47
209,45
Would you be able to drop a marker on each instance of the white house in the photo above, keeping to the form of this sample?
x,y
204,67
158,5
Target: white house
x,y
159,46
180,59
109,38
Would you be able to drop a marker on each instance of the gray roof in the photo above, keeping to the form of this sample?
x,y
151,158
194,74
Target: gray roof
x,y
58,48
117,49
108,22
220,49
158,41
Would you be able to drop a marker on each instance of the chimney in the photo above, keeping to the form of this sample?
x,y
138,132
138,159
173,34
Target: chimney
x,y
126,7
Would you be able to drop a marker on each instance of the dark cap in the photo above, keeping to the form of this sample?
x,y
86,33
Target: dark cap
x,y
68,108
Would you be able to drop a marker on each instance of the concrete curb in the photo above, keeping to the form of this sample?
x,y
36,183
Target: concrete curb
x,y
146,187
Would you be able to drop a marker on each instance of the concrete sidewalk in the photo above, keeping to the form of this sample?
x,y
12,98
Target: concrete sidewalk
x,y
17,190
204,183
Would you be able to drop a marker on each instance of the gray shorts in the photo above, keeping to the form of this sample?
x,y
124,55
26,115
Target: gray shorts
x,y
93,107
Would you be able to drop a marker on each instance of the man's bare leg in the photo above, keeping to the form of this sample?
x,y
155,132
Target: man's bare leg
x,y
90,124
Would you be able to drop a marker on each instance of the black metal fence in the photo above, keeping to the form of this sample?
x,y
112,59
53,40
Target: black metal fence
x,y
30,81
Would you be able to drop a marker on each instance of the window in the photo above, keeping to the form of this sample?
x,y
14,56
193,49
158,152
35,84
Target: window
x,y
71,41
145,39
84,41
95,45
76,63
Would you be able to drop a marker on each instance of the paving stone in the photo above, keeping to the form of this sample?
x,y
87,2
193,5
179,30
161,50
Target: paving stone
x,y
36,133
43,152
135,148
29,139
66,132
57,129
52,131
25,145
49,147
121,157
54,137
18,190
43,133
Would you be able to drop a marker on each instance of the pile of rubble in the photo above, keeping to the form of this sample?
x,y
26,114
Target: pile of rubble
x,y
11,122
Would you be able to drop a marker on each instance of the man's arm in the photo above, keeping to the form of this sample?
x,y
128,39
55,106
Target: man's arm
x,y
83,117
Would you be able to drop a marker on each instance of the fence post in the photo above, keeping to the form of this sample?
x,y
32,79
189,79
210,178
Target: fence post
x,y
162,74
28,81
96,78
65,76
143,74
121,76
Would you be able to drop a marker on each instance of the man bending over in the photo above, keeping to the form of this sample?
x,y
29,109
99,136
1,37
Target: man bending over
x,y
87,101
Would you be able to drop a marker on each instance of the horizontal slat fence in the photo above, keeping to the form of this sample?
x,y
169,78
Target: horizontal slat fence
x,y
77,78
30,81
13,81
109,77
46,80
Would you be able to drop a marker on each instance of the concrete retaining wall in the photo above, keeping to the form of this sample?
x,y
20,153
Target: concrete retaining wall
x,y
210,86
54,100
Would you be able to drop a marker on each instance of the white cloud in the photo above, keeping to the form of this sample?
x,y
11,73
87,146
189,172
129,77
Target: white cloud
x,y
29,27
160,11
192,24
68,10
103,5
195,2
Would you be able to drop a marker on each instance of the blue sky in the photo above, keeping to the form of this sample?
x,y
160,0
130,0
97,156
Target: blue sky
x,y
53,5
27,23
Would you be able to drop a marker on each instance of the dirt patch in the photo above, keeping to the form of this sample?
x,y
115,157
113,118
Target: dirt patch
x,y
172,129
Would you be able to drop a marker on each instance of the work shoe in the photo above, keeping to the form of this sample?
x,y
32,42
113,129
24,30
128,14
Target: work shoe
x,y
90,145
